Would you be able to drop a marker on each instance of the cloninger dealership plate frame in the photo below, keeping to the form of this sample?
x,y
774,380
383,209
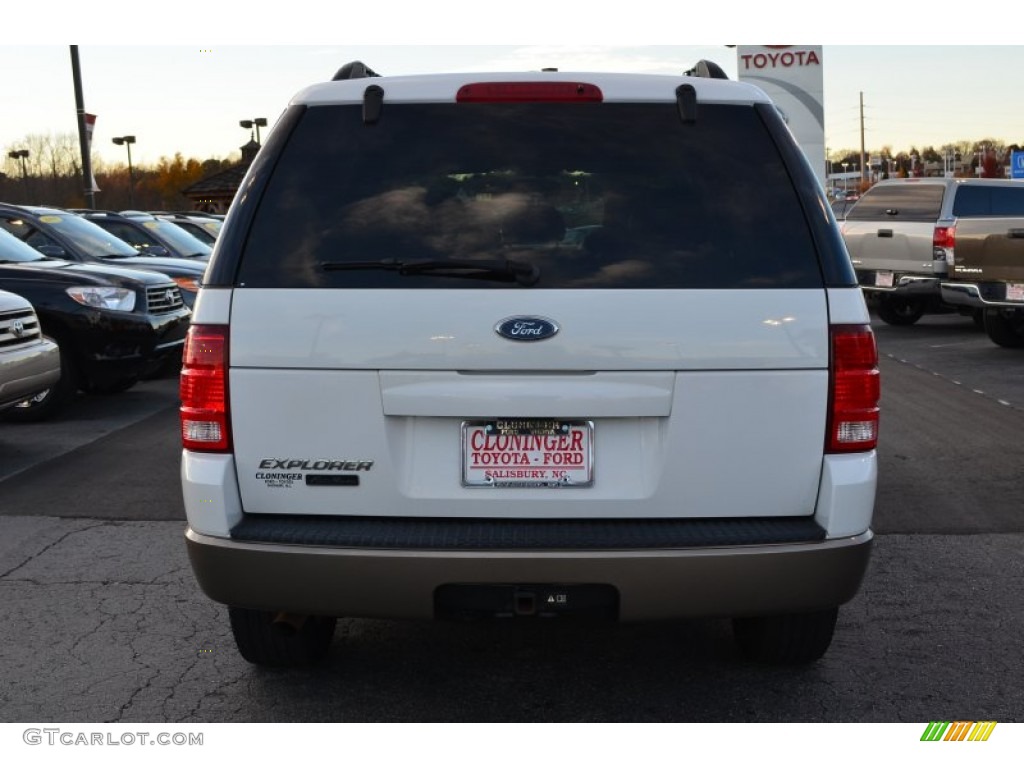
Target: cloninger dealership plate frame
x,y
528,453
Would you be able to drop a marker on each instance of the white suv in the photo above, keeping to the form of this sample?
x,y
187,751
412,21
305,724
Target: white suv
x,y
530,345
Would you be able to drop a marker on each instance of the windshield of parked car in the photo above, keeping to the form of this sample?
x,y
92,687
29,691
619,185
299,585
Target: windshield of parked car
x,y
177,239
204,230
13,250
591,195
92,240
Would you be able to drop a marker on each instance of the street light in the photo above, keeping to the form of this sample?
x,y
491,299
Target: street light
x,y
127,141
846,179
257,122
22,154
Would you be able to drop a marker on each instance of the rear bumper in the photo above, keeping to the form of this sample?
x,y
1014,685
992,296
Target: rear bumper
x,y
977,295
109,348
651,583
903,284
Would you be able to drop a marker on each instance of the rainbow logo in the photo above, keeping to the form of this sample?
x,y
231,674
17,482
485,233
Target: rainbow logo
x,y
958,731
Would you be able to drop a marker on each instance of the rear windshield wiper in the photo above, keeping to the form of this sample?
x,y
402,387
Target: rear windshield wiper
x,y
501,270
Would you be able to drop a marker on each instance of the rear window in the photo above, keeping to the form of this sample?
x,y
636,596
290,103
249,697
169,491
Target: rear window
x,y
989,201
899,202
573,195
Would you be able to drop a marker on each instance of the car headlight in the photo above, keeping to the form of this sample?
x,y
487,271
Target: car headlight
x,y
103,297
189,284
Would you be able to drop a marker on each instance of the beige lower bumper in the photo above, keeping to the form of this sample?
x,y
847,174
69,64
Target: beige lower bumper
x,y
652,584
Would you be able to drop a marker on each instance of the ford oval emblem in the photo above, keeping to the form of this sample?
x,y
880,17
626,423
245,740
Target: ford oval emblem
x,y
526,328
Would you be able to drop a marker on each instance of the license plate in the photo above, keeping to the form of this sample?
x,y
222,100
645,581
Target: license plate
x,y
883,279
527,453
1015,291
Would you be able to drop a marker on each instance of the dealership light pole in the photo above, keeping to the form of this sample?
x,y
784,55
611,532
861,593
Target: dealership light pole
x,y
257,122
127,141
83,138
22,154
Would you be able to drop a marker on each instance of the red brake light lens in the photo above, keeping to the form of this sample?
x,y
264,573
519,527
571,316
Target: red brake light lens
x,y
204,390
944,237
853,415
528,91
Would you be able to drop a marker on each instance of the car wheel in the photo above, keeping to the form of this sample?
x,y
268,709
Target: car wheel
x,y
1005,328
275,640
897,310
48,402
797,638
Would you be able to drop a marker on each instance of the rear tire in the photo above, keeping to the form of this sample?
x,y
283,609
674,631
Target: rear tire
x,y
1005,328
261,641
790,639
901,310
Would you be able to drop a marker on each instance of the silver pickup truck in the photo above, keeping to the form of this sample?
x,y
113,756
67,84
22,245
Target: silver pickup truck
x,y
905,235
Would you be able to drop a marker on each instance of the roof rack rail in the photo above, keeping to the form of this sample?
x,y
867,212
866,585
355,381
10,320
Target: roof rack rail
x,y
354,70
705,68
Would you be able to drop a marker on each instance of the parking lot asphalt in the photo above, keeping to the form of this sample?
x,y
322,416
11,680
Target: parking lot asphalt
x,y
103,623
87,419
127,473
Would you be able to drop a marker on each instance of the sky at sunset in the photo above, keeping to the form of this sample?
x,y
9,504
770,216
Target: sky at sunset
x,y
188,97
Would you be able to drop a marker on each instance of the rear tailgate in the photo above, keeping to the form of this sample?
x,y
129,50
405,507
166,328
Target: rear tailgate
x,y
691,403
896,246
892,228
989,249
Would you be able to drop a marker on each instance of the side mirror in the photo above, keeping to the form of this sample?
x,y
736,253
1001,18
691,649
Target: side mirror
x,y
53,251
154,250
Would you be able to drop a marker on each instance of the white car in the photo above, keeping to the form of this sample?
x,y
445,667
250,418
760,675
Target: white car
x,y
528,345
29,362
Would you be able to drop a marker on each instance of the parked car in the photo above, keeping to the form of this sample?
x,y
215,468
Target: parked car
x,y
441,406
149,235
112,325
203,228
901,235
65,235
29,362
985,257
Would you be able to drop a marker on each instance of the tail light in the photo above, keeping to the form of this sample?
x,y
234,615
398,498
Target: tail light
x,y
855,391
943,243
204,390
